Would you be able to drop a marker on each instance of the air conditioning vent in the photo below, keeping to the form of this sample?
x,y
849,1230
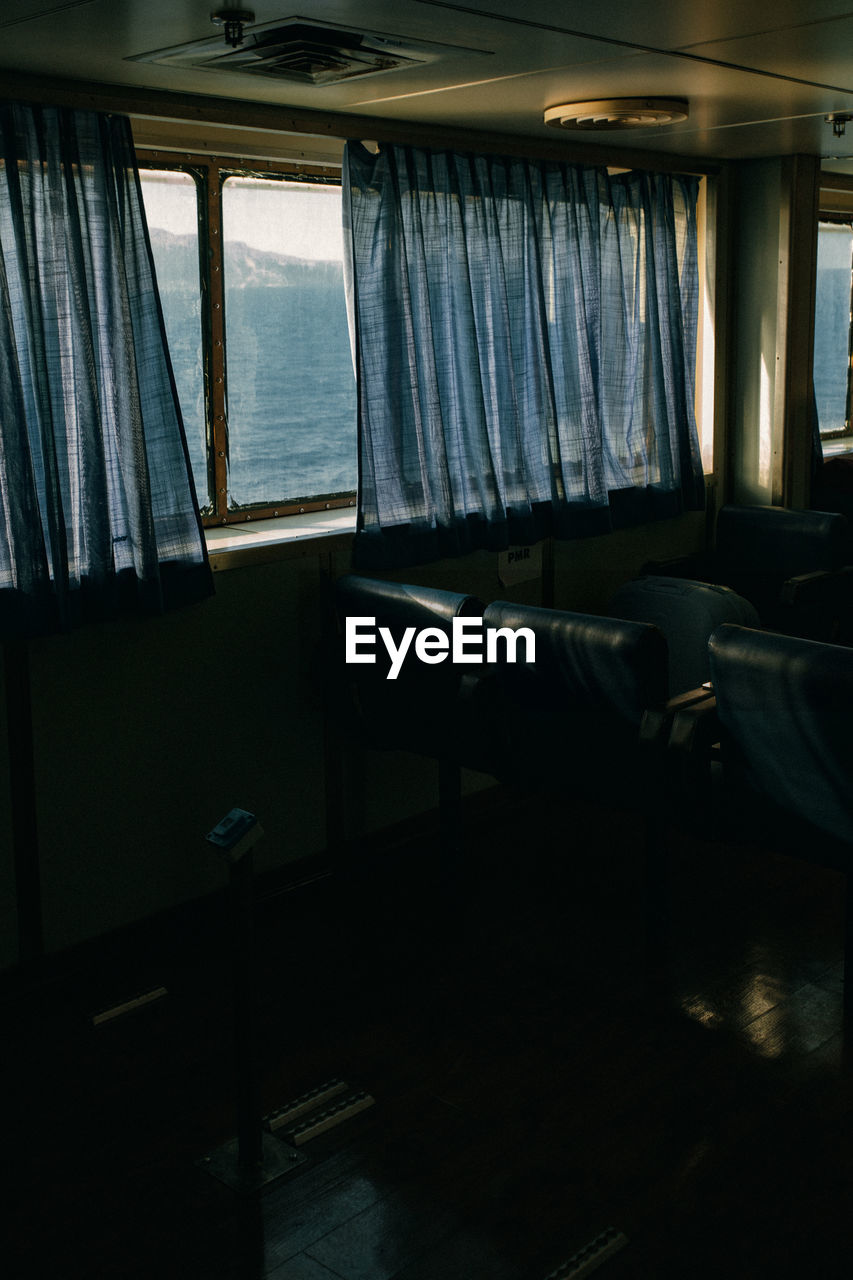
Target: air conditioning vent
x,y
305,52
313,55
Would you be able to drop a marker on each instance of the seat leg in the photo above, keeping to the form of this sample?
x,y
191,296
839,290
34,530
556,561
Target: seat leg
x,y
457,868
657,892
847,972
450,809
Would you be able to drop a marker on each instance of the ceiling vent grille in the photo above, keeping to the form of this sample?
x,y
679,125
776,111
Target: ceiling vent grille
x,y
305,52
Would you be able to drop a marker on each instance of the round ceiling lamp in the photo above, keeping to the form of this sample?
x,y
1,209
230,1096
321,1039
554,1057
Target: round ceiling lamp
x,y
617,113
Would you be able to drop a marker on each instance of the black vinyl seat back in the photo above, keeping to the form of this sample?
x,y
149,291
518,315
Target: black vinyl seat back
x,y
401,604
792,565
687,612
575,712
421,709
770,545
785,709
780,541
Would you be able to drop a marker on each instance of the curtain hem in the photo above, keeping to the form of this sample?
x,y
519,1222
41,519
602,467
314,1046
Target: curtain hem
x,y
403,545
121,595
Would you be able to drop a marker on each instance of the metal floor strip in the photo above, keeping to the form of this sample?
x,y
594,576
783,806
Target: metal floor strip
x,y
128,1006
591,1256
316,1123
294,1110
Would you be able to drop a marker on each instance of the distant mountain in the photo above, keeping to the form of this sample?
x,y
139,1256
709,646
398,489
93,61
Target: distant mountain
x,y
175,259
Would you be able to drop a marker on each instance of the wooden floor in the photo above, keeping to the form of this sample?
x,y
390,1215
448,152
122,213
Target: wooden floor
x,y
534,1082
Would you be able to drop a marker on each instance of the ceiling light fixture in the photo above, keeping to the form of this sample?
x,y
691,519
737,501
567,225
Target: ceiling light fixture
x,y
617,113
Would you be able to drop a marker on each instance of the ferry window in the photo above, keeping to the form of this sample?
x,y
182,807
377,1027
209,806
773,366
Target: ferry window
x,y
171,209
705,346
249,264
832,346
250,269
291,387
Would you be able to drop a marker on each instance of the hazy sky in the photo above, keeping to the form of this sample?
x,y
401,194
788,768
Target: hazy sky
x,y
296,218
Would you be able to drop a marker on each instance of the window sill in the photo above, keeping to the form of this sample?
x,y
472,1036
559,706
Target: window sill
x,y
235,545
836,445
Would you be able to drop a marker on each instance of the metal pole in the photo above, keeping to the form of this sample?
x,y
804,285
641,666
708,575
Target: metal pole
x,y
22,786
254,1159
249,1118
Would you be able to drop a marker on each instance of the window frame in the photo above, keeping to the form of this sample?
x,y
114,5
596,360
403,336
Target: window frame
x,y
210,173
835,205
841,219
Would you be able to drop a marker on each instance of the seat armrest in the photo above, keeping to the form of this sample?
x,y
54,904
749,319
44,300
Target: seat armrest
x,y
693,747
806,587
655,732
690,566
690,698
695,727
656,724
816,605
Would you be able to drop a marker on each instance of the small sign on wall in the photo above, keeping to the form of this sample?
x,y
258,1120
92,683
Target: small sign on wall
x,y
520,564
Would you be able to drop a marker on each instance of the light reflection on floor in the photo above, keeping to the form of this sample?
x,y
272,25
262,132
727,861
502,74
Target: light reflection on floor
x,y
772,1017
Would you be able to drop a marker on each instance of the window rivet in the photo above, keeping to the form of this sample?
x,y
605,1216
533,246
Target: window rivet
x,y
216,306
221,453
302,511
221,490
275,513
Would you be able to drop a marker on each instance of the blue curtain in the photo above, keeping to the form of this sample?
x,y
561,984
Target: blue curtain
x,y
525,344
98,511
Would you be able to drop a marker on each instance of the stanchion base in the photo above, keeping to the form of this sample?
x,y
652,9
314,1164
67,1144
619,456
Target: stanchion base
x,y
278,1159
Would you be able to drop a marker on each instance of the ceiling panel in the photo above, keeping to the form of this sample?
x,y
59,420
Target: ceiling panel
x,y
529,63
803,135
820,52
19,11
718,98
657,24
62,45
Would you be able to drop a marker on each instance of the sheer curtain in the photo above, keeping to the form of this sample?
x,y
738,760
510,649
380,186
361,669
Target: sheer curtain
x,y
97,505
525,343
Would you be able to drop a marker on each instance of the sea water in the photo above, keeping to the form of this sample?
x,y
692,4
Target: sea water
x,y
291,402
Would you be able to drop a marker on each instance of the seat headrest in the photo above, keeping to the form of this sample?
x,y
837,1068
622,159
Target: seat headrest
x,y
785,707
422,708
591,662
686,612
401,603
780,540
